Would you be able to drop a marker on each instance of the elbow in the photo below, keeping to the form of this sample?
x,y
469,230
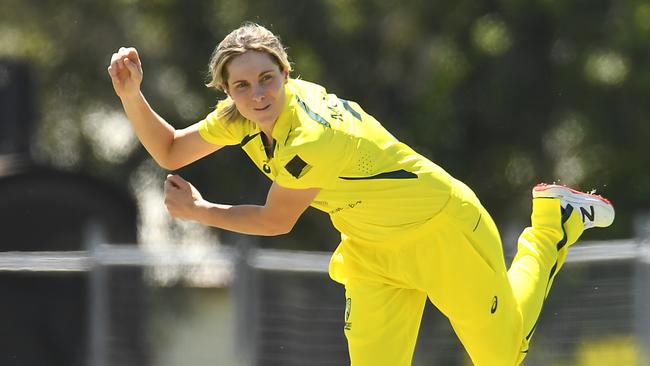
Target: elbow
x,y
169,159
276,229
168,163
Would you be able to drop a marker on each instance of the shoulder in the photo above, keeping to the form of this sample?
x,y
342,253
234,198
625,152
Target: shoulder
x,y
307,104
306,88
307,95
217,129
313,127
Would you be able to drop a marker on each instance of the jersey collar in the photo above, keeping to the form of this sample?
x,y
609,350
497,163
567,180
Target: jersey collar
x,y
282,126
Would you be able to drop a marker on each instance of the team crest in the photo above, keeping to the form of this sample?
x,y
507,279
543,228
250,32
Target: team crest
x,y
348,308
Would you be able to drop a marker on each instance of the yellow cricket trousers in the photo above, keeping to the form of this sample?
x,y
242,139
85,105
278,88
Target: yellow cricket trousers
x,y
456,260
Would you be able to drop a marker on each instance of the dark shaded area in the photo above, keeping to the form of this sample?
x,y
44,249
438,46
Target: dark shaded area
x,y
49,210
45,319
47,316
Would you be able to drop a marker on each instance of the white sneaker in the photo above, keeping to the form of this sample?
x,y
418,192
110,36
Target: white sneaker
x,y
596,211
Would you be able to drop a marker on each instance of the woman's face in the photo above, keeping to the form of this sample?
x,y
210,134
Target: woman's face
x,y
256,85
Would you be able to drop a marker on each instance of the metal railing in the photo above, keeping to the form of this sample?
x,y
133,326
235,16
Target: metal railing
x,y
255,273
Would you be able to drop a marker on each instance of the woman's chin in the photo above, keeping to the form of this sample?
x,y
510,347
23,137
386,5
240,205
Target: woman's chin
x,y
265,120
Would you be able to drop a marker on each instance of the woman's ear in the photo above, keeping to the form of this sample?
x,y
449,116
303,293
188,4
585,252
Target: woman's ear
x,y
285,73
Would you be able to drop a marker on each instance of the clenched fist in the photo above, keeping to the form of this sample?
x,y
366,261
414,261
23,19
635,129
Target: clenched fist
x,y
126,72
181,198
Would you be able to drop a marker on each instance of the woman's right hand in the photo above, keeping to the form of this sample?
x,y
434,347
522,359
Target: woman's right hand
x,y
126,72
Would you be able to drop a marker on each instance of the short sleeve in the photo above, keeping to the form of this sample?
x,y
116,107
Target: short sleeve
x,y
220,132
313,164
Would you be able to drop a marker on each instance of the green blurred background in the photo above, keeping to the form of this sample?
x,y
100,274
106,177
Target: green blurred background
x,y
503,94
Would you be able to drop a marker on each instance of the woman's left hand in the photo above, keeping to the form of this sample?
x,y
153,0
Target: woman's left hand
x,y
181,198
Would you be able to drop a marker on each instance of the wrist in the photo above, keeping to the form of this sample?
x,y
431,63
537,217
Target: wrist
x,y
200,212
131,98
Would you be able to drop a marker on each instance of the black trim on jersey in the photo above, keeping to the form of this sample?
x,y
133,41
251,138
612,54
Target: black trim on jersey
x,y
566,213
287,139
477,222
247,138
315,116
270,151
397,174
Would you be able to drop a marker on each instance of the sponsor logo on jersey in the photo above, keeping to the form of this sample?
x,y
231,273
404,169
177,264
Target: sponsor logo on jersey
x,y
495,303
346,207
297,167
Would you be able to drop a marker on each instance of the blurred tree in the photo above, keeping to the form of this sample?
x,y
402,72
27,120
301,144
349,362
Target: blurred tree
x,y
501,94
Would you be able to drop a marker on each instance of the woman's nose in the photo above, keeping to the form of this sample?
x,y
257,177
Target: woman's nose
x,y
258,93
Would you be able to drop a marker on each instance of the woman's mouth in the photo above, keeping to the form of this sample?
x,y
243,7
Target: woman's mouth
x,y
262,109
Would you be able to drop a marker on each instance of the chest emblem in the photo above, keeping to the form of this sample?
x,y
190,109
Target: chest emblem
x,y
297,167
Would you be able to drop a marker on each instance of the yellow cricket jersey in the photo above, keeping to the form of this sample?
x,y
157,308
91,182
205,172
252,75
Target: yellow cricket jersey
x,y
373,186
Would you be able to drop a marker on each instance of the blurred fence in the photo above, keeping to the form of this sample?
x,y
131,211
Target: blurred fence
x,y
598,312
281,308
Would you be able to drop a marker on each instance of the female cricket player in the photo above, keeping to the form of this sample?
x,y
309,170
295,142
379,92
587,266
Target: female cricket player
x,y
409,230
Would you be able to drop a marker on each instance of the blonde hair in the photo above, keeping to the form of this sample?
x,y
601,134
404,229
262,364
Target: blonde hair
x,y
250,36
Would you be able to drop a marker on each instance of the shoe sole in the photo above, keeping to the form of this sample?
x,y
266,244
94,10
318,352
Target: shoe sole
x,y
578,199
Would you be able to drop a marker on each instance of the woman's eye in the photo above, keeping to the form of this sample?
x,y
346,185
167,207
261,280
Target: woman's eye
x,y
267,77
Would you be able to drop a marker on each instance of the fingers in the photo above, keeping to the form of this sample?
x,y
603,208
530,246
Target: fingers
x,y
112,72
132,66
132,54
117,61
178,197
171,195
113,68
171,183
128,54
121,58
175,181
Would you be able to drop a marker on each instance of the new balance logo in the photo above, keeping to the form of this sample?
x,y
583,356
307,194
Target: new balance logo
x,y
585,204
587,214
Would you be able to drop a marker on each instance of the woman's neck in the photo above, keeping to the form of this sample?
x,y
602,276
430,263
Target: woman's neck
x,y
267,138
267,134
